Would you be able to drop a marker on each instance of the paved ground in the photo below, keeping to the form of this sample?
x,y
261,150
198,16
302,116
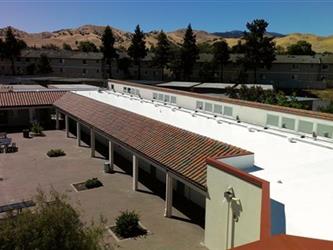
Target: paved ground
x,y
25,170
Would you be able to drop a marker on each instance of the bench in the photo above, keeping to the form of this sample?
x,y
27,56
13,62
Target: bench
x,y
16,206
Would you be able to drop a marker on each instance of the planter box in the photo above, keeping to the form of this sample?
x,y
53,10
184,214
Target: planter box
x,y
142,232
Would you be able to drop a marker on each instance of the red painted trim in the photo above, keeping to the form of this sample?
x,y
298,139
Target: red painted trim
x,y
265,221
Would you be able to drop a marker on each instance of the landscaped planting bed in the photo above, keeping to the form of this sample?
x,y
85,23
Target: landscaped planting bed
x,y
88,184
55,153
127,226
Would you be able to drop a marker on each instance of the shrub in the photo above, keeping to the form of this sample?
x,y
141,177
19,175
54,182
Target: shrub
x,y
55,225
127,224
55,153
36,128
93,183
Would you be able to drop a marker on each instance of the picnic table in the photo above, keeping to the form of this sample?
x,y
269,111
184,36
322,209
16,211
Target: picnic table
x,y
16,206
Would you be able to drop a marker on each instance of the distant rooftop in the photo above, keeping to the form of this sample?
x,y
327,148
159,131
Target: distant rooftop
x,y
72,87
178,84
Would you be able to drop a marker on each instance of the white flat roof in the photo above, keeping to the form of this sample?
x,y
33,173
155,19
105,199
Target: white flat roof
x,y
73,87
214,85
178,84
300,174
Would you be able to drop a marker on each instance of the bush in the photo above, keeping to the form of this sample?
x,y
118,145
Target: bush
x,y
55,225
93,183
37,128
127,224
55,153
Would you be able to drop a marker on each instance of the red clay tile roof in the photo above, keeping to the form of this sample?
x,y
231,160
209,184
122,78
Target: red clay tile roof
x,y
301,112
288,242
182,152
29,98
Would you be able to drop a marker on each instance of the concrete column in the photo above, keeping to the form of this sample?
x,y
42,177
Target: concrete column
x,y
32,115
135,172
67,125
78,133
168,195
111,155
57,119
92,142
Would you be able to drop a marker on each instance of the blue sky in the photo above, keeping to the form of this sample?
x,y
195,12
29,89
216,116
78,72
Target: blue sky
x,y
307,16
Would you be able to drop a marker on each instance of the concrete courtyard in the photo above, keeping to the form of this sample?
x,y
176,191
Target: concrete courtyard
x,y
23,172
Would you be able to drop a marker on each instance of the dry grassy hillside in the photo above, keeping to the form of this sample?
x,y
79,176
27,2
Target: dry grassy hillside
x,y
93,33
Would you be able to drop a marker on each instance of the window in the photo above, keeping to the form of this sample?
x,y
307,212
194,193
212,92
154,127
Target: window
x,y
199,105
325,130
272,120
305,127
160,97
173,99
262,76
295,66
154,96
146,72
62,61
217,109
97,61
84,71
208,107
324,67
294,77
167,98
227,111
84,61
61,70
288,123
27,59
97,70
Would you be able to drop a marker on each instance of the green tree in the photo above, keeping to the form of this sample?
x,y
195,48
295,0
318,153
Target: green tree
x,y
31,69
162,52
66,46
175,64
12,48
137,50
43,65
239,48
87,46
50,46
51,226
300,48
124,64
259,49
221,54
206,72
108,49
189,52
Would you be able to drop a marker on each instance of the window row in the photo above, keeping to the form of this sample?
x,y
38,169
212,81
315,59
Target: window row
x,y
131,91
214,108
303,126
165,98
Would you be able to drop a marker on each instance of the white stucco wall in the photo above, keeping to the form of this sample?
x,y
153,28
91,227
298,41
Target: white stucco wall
x,y
220,230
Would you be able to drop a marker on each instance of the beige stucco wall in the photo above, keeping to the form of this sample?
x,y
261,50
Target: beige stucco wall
x,y
220,230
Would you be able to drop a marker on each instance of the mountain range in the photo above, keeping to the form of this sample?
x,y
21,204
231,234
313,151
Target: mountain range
x,y
93,33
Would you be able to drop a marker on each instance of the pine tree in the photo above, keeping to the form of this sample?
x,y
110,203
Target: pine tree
x,y
43,65
137,50
12,48
259,49
162,52
108,49
189,52
221,54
